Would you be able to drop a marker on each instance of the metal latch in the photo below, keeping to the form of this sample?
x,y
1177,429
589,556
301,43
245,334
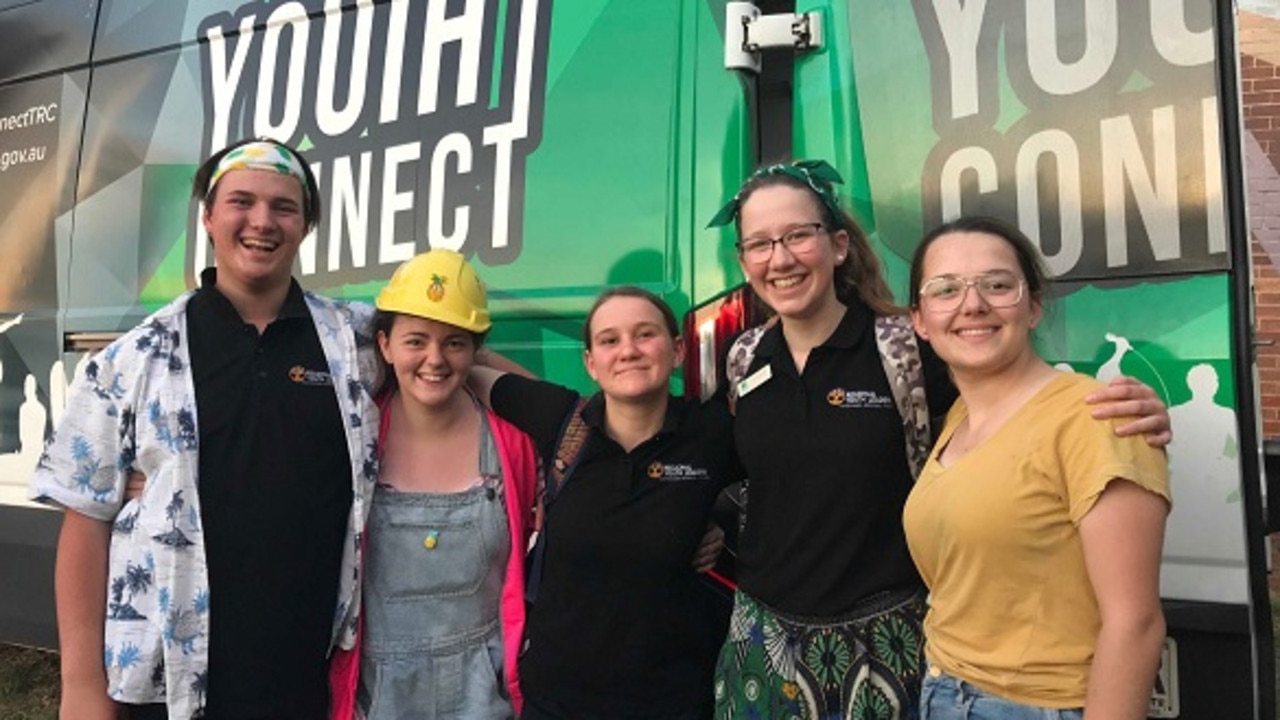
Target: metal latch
x,y
747,32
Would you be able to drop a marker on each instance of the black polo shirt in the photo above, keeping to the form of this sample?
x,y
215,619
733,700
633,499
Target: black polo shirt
x,y
826,455
275,494
623,626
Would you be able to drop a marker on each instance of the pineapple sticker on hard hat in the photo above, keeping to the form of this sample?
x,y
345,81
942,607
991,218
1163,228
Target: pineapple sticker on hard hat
x,y
435,291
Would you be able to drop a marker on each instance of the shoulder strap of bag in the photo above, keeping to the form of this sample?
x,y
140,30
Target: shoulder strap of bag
x,y
570,443
900,354
573,439
739,360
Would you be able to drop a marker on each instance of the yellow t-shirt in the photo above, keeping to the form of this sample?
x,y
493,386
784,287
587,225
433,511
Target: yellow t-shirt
x,y
996,538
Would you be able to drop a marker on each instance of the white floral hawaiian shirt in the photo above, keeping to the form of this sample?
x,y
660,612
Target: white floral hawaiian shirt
x,y
134,407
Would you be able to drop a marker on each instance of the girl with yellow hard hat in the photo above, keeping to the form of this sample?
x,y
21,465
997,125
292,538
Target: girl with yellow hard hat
x,y
451,514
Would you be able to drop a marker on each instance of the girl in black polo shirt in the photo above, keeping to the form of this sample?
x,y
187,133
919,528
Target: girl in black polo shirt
x,y
621,626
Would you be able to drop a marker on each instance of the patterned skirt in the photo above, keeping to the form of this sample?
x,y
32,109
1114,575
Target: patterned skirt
x,y
863,667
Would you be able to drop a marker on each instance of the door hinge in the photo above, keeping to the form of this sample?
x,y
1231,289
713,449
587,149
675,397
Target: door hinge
x,y
747,32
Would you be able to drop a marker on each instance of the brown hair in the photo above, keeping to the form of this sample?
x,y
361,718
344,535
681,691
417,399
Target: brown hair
x,y
1029,260
668,315
858,277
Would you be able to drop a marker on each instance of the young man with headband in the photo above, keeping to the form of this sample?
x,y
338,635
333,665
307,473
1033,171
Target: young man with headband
x,y
224,586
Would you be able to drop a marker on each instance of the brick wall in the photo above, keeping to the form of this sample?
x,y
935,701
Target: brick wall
x,y
1259,41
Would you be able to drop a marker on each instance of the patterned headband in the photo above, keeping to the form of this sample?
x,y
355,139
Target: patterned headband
x,y
262,155
818,175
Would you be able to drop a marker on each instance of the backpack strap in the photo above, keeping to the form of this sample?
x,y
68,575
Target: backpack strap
x,y
570,443
900,354
739,360
573,439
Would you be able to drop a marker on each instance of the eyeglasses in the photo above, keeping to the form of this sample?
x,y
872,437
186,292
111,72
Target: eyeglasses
x,y
799,239
946,293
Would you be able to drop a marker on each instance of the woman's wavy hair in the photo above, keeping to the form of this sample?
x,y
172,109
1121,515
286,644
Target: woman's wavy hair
x,y
631,291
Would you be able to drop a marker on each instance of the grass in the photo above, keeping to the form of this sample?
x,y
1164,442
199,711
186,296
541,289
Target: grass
x,y
28,684
1275,634
29,678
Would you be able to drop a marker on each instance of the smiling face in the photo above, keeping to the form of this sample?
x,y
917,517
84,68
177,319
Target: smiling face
x,y
631,354
255,222
976,337
796,283
430,359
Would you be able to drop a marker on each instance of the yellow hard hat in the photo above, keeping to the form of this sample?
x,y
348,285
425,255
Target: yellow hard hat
x,y
438,285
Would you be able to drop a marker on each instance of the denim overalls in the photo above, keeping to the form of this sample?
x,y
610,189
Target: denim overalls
x,y
432,647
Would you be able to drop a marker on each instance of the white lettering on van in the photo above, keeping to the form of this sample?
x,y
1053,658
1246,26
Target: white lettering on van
x,y
350,210
294,16
1058,145
395,201
1154,189
331,120
393,61
1102,37
1177,44
224,79
1095,167
960,24
467,30
458,145
24,156
414,157
34,115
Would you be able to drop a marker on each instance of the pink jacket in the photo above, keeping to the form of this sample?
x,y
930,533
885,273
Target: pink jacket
x,y
519,472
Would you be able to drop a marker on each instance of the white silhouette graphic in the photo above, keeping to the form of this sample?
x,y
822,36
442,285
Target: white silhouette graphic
x,y
16,467
1204,552
1110,370
33,421
1204,474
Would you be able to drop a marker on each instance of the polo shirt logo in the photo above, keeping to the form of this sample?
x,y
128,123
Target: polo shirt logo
x,y
857,399
676,472
303,376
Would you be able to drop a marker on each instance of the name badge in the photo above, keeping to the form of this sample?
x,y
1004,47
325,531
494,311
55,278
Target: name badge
x,y
755,380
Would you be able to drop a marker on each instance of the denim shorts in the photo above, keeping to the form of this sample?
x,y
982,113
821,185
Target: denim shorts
x,y
943,697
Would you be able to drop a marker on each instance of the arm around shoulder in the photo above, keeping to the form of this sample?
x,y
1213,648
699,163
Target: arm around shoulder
x,y
1126,397
481,379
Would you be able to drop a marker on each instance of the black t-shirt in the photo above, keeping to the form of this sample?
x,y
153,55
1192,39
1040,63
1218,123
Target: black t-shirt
x,y
622,625
826,456
275,495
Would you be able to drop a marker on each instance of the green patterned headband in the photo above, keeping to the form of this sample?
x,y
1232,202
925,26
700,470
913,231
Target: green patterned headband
x,y
262,155
818,175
